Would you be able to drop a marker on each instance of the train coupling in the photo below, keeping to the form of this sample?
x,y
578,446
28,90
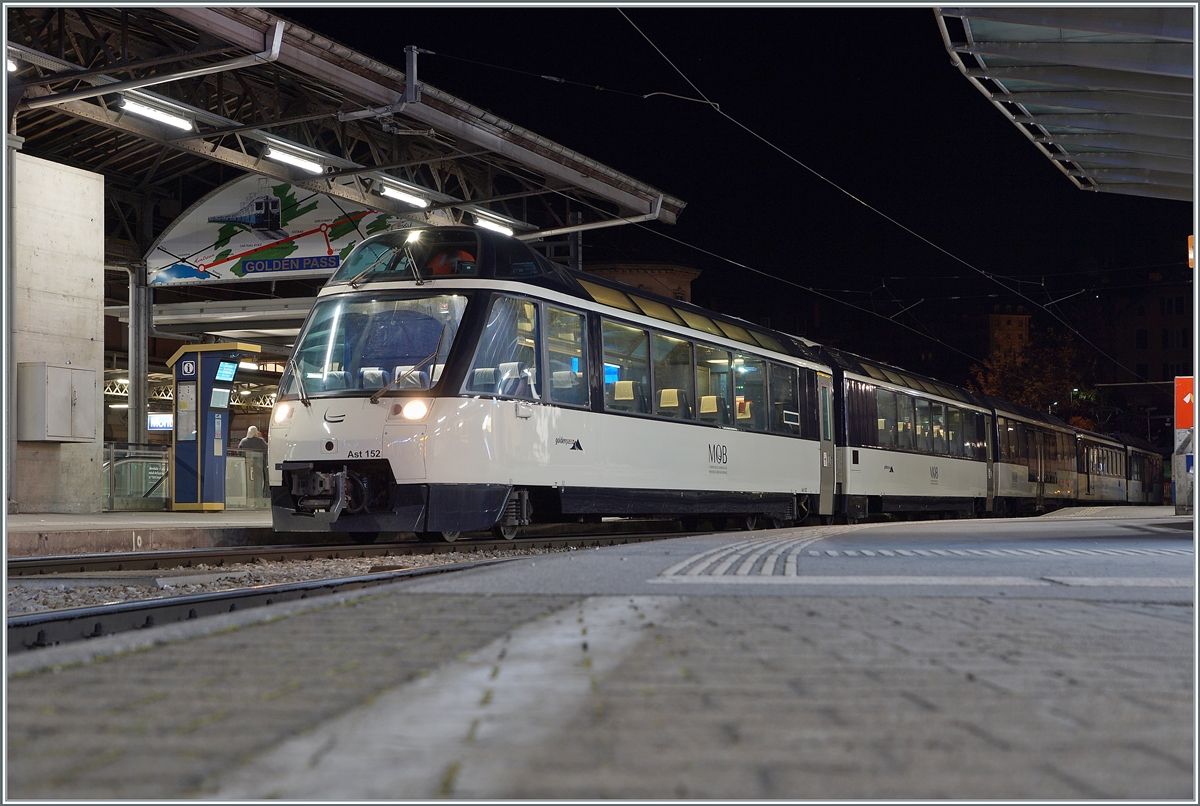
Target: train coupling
x,y
318,494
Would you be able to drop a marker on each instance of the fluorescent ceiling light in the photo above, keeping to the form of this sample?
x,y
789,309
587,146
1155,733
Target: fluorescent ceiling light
x,y
156,114
407,198
495,226
12,66
247,365
293,159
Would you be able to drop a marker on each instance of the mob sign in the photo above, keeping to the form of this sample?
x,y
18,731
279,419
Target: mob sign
x,y
203,375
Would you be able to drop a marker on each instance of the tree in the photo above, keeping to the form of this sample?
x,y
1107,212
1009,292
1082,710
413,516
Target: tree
x,y
1048,373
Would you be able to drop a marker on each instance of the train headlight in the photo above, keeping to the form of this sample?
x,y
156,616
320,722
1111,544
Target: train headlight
x,y
415,409
283,412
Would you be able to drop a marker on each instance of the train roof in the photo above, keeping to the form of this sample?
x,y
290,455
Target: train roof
x,y
899,377
1136,442
615,294
1026,412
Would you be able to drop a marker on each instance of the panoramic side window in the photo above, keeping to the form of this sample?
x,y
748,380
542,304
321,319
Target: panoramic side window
x,y
904,421
566,350
923,427
954,431
674,393
626,368
506,359
750,392
885,405
938,419
713,388
785,400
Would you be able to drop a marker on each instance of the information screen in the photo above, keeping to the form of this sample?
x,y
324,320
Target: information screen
x,y
226,371
220,398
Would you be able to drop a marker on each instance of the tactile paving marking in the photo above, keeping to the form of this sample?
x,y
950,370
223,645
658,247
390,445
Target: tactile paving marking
x,y
777,556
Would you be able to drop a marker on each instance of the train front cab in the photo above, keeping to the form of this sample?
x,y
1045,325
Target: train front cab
x,y
571,397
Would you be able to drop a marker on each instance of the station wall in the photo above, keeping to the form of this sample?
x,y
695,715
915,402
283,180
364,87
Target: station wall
x,y
57,219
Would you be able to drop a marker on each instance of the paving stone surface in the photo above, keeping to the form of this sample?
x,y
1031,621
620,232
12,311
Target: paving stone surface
x,y
795,698
158,723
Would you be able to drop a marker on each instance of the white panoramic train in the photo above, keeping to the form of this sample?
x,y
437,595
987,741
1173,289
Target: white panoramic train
x,y
452,380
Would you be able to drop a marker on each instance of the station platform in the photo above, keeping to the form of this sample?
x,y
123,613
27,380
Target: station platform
x,y
44,534
38,534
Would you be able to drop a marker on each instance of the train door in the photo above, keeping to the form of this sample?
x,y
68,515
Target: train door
x,y
825,405
991,469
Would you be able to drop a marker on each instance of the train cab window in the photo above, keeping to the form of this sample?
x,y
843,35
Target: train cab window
x,y
904,421
750,392
938,423
674,390
923,427
885,407
566,352
954,431
626,368
354,346
785,400
714,395
506,360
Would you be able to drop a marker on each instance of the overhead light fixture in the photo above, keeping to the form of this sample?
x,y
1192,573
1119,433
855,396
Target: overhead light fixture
x,y
407,198
248,365
12,66
494,226
294,159
154,113
118,405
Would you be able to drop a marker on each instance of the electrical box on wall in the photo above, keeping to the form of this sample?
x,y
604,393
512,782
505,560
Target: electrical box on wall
x,y
55,403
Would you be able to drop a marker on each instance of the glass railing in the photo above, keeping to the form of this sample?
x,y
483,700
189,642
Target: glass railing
x,y
246,480
136,477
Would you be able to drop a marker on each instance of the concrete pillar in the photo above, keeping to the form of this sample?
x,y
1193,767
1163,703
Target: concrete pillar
x,y
56,217
8,417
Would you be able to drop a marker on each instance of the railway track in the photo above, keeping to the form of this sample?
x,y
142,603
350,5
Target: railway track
x,y
219,557
54,627
47,628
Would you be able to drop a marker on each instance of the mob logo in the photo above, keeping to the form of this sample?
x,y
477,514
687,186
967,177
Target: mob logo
x,y
718,455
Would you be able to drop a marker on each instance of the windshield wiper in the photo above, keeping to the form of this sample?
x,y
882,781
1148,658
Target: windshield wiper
x,y
358,278
295,368
375,397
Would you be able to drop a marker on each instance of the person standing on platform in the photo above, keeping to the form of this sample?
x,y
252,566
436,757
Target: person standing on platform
x,y
256,459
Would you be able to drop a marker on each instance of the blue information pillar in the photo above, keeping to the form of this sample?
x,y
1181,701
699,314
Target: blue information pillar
x,y
203,376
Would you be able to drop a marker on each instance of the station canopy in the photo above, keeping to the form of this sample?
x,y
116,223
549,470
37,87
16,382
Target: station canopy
x,y
1105,92
245,86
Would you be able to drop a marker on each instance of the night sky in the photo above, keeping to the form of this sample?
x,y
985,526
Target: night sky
x,y
865,97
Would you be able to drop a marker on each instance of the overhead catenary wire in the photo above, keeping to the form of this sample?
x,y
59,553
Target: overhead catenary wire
x,y
988,275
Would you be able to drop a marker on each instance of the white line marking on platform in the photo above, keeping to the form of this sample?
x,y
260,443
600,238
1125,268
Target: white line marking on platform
x,y
856,580
1124,582
457,733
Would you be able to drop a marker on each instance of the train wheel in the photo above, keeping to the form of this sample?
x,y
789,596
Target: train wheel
x,y
747,523
505,532
364,537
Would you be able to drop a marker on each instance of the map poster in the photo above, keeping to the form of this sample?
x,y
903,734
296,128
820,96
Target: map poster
x,y
255,228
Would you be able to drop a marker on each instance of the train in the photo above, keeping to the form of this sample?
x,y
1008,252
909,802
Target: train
x,y
452,380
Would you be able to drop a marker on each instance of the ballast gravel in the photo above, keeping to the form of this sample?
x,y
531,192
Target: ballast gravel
x,y
35,599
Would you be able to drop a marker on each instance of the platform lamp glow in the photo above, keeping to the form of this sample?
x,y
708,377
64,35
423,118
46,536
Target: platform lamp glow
x,y
203,382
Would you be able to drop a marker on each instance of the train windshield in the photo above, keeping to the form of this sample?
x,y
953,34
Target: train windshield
x,y
411,254
355,346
